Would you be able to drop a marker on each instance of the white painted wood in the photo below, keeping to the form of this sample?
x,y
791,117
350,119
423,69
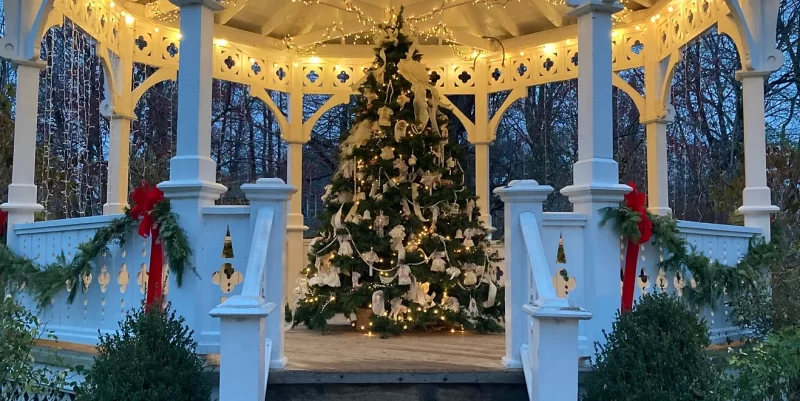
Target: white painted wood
x,y
757,205
519,197
596,174
118,165
22,203
657,169
272,193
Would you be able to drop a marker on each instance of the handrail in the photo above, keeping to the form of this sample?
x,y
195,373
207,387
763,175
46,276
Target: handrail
x,y
257,260
545,290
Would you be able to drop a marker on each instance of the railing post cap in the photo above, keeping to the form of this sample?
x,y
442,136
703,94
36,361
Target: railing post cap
x,y
266,189
529,190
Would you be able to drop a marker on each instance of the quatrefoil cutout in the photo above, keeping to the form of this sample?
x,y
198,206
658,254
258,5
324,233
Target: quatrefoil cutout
x,y
227,278
563,283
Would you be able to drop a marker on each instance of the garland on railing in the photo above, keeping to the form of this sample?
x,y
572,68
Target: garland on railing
x,y
712,279
153,215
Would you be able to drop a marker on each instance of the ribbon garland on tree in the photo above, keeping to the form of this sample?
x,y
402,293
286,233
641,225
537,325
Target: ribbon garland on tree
x,y
145,198
636,201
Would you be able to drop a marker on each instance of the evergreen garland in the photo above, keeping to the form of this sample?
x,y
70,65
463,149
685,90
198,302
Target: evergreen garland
x,y
713,279
45,282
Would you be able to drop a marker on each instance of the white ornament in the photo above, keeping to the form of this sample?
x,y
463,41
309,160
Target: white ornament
x,y
366,215
370,96
380,223
453,272
400,129
397,309
402,167
451,304
345,249
376,186
472,311
385,116
332,278
402,100
430,179
412,161
470,278
387,153
370,258
438,264
378,303
406,208
404,275
356,276
459,234
327,192
434,217
470,207
418,293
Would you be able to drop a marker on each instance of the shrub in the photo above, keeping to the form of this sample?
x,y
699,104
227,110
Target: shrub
x,y
768,371
150,358
655,352
19,332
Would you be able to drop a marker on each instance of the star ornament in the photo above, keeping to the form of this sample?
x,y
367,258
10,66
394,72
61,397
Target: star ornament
x,y
430,179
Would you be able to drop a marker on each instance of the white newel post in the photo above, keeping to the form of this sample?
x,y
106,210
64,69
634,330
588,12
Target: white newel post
x,y
518,197
596,174
22,205
118,164
252,325
274,193
757,206
192,184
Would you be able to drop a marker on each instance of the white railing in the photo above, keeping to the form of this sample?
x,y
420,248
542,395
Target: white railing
x,y
726,244
118,281
251,336
541,326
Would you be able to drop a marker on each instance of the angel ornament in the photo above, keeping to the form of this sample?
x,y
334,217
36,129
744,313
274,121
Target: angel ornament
x,y
438,263
402,167
404,275
370,258
380,223
398,309
469,209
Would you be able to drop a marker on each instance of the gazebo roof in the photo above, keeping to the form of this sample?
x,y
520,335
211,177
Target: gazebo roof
x,y
464,25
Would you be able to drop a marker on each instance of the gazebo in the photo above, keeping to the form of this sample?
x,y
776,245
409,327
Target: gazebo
x,y
474,48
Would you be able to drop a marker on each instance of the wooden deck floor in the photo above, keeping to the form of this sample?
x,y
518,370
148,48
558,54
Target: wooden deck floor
x,y
346,350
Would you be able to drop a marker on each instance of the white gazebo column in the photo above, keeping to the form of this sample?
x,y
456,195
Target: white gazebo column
x,y
596,174
657,177
482,186
192,184
296,258
22,205
118,164
757,206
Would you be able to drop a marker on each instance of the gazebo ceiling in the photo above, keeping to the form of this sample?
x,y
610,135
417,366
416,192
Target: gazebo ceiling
x,y
304,24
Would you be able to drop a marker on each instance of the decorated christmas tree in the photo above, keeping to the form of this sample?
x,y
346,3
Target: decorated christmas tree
x,y
402,243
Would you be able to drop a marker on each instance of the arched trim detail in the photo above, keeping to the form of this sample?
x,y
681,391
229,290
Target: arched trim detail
x,y
264,96
516,94
163,74
335,100
469,126
624,86
666,84
41,24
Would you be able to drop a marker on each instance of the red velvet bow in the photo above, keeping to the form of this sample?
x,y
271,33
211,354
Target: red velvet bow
x,y
636,201
145,198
